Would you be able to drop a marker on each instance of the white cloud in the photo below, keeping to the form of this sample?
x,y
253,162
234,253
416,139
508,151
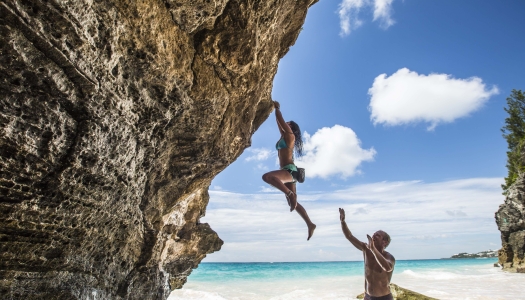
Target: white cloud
x,y
360,210
259,154
430,237
333,151
407,97
383,12
456,213
262,167
259,227
349,13
265,189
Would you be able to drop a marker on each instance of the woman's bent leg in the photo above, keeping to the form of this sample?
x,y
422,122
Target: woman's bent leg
x,y
276,179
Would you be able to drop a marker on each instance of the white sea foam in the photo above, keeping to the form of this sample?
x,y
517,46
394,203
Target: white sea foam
x,y
281,289
193,294
431,275
478,282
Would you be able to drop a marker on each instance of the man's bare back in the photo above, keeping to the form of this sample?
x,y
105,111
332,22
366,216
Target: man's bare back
x,y
379,264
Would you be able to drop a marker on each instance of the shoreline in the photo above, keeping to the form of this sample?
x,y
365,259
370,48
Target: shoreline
x,y
452,279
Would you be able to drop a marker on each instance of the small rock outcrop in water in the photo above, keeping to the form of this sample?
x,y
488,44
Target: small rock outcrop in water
x,y
115,116
510,218
400,293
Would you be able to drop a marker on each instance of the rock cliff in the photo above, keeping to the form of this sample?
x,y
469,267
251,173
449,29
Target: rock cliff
x,y
114,117
510,218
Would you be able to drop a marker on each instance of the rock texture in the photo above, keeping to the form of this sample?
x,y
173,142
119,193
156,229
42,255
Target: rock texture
x,y
114,117
510,218
400,293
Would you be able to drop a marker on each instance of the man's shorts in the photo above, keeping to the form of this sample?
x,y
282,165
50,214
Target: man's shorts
x,y
385,297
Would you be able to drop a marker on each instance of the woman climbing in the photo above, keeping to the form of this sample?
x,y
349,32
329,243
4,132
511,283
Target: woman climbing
x,y
285,178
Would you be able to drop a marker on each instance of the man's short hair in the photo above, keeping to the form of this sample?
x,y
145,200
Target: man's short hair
x,y
386,238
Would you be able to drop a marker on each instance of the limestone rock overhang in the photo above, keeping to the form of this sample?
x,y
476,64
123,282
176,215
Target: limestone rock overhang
x,y
115,116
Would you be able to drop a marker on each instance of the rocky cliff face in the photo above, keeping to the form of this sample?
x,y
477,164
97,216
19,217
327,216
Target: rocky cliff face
x,y
510,218
114,117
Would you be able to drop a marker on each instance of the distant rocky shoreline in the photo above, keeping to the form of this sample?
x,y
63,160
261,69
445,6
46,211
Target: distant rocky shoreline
x,y
482,254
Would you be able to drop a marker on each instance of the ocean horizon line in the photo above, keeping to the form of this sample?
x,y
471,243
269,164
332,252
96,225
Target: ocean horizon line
x,y
335,261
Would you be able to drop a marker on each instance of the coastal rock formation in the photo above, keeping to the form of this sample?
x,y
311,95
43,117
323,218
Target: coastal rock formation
x,y
510,218
114,117
400,293
482,254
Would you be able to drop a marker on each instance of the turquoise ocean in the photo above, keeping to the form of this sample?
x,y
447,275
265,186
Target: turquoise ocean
x,y
439,278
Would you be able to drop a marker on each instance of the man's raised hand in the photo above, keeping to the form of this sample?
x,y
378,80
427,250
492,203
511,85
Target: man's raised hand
x,y
370,244
341,214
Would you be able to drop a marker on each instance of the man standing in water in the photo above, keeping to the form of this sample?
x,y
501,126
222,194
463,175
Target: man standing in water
x,y
379,264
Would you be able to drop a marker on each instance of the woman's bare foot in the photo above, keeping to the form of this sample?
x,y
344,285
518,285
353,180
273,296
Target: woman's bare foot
x,y
292,200
311,229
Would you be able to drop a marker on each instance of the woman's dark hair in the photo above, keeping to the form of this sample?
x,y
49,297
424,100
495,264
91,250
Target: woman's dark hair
x,y
298,139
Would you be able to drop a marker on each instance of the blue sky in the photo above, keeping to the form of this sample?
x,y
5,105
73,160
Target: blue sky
x,y
402,116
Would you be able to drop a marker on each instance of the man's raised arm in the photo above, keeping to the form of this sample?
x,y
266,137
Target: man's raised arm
x,y
349,236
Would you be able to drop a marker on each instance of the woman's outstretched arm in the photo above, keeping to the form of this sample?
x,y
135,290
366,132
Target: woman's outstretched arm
x,y
278,125
281,123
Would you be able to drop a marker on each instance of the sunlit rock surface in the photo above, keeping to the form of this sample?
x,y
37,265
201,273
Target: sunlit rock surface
x,y
510,218
115,116
400,293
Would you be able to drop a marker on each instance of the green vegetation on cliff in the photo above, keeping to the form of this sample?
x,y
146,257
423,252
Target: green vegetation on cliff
x,y
514,133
